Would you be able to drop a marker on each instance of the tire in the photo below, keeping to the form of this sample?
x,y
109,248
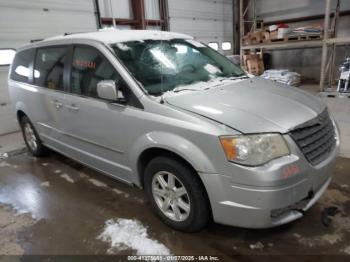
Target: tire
x,y
195,198
30,137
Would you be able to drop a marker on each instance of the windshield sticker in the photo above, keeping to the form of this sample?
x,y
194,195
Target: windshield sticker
x,y
195,43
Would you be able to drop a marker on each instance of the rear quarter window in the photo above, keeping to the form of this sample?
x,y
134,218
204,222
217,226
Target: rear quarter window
x,y
21,69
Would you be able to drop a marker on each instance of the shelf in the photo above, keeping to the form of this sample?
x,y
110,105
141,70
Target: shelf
x,y
286,45
327,58
339,40
298,44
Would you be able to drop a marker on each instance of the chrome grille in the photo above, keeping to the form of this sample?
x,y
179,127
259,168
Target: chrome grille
x,y
315,138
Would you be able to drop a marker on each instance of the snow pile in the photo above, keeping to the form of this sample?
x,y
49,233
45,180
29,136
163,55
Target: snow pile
x,y
283,76
257,245
97,183
45,184
129,233
3,156
67,178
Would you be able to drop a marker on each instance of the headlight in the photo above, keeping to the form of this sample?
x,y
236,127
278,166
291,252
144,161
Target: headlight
x,y
254,150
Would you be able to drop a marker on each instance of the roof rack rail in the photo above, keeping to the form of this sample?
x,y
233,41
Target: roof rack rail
x,y
70,33
35,40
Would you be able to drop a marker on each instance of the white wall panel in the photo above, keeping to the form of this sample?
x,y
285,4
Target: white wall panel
x,y
116,9
152,9
23,20
206,20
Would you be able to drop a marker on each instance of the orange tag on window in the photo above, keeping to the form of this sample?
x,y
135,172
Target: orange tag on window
x,y
85,63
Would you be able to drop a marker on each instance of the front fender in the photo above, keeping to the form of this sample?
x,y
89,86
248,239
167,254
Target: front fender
x,y
174,143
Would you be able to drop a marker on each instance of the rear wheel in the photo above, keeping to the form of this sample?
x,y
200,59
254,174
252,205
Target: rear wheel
x,y
176,194
31,138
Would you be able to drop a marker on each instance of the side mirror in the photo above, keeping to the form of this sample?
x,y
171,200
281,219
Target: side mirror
x,y
108,90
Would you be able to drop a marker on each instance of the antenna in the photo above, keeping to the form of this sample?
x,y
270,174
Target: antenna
x,y
35,40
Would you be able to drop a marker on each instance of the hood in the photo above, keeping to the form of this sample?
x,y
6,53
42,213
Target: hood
x,y
252,106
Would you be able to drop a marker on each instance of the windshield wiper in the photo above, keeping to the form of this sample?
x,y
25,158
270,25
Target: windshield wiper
x,y
184,89
234,78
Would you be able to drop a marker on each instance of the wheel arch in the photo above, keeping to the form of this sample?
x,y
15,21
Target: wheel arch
x,y
150,153
154,144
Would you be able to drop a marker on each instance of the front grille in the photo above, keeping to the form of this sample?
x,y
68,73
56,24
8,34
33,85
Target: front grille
x,y
315,138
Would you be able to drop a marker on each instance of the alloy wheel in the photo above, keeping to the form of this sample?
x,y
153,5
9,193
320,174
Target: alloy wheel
x,y
171,196
30,137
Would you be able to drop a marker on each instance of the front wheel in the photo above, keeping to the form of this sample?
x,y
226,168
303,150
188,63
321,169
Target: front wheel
x,y
176,194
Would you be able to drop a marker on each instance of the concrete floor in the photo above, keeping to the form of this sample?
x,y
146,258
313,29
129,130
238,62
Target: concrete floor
x,y
61,208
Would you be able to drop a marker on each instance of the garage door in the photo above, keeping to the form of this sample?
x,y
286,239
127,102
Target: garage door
x,y
23,20
208,21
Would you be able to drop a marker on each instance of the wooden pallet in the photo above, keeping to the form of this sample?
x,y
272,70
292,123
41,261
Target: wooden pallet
x,y
294,38
335,94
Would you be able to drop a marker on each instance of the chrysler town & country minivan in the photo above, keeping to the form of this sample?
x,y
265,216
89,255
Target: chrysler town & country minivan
x,y
166,113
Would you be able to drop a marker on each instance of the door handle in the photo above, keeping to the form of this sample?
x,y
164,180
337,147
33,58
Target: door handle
x,y
72,107
57,104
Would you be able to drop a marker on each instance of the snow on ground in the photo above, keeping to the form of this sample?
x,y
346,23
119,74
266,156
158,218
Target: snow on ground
x,y
45,184
119,192
97,183
4,156
130,233
67,178
4,164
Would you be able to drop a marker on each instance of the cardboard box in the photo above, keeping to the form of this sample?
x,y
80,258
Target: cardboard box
x,y
254,64
265,36
282,32
274,34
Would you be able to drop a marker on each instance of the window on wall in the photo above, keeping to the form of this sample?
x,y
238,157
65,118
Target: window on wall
x,y
21,65
88,68
214,45
49,67
226,46
6,56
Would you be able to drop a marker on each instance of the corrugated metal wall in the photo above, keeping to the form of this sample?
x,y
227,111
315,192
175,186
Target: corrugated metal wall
x,y
23,20
152,9
116,9
207,20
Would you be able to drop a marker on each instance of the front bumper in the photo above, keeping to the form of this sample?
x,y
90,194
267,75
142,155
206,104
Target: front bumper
x,y
268,206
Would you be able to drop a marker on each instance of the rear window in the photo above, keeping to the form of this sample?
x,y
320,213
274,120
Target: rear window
x,y
49,67
21,70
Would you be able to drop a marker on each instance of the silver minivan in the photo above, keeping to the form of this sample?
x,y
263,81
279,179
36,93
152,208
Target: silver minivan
x,y
166,113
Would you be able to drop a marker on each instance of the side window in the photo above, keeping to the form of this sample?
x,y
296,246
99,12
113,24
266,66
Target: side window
x,y
89,67
49,67
21,66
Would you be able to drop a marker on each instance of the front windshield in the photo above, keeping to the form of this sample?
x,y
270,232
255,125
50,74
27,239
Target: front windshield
x,y
163,65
